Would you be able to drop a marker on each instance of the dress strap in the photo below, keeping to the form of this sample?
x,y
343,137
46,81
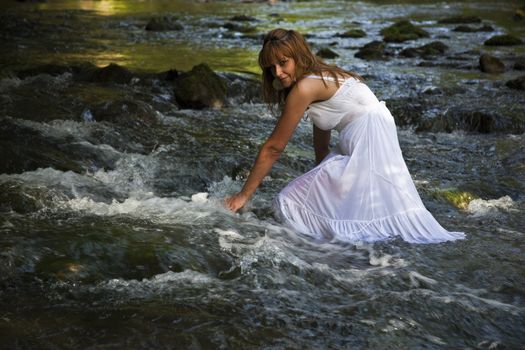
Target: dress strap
x,y
341,80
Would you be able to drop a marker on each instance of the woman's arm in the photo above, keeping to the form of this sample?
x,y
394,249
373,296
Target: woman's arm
x,y
301,95
321,143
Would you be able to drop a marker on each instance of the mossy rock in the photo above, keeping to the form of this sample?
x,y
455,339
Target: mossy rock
x,y
327,53
374,50
234,27
491,64
352,33
460,20
243,18
431,49
163,24
200,88
517,84
459,199
476,121
468,29
503,40
402,31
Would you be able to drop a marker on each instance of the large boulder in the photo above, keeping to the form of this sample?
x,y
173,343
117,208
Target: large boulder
x,y
491,64
199,88
402,31
374,50
503,40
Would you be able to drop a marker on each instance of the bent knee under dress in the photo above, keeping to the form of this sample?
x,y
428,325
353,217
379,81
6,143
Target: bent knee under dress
x,y
362,191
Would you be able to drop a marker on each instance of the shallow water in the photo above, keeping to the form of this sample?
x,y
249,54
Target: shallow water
x,y
123,242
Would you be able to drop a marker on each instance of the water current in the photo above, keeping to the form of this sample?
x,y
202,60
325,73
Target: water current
x,y
112,229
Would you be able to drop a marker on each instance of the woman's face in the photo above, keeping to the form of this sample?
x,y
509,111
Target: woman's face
x,y
284,70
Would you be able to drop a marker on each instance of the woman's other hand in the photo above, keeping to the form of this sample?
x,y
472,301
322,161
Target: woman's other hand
x,y
236,201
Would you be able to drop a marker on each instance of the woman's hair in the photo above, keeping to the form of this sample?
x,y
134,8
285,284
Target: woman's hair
x,y
289,43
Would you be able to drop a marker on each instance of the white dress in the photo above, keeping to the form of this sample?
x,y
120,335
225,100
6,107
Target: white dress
x,y
362,191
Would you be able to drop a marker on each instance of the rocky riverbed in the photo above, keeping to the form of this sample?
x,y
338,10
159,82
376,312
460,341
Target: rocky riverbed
x,y
125,124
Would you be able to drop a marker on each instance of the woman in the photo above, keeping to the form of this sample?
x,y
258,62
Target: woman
x,y
363,190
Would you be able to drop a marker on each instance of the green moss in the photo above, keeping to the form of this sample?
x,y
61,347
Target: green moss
x,y
402,31
503,40
352,33
460,199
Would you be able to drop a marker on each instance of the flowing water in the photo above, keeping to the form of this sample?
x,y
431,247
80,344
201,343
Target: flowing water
x,y
112,229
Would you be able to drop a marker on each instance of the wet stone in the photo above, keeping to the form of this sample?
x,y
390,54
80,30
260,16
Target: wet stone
x,y
243,18
113,73
457,118
199,88
235,27
352,33
491,64
503,40
468,29
519,64
402,31
518,83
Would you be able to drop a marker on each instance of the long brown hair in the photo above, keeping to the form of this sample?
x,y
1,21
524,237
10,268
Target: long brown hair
x,y
290,43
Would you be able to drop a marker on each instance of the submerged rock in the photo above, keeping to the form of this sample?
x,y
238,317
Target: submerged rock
x,y
374,50
161,24
491,64
460,19
503,40
402,31
518,83
199,88
327,53
352,33
431,49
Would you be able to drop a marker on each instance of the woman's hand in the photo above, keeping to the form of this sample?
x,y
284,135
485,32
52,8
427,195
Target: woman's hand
x,y
236,201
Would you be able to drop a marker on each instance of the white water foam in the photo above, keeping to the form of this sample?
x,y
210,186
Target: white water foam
x,y
491,207
158,284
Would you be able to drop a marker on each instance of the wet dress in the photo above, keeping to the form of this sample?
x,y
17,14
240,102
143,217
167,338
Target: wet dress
x,y
362,191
